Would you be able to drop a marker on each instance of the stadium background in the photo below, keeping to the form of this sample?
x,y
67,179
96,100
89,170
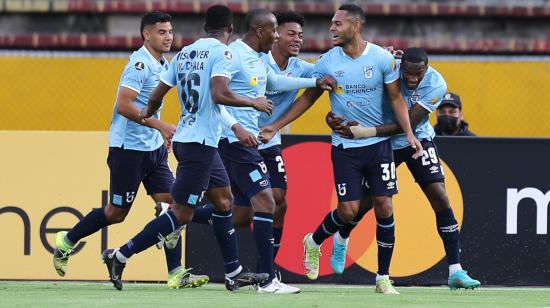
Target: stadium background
x,y
61,60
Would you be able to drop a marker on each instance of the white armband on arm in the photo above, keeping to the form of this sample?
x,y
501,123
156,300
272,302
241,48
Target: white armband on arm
x,y
283,83
226,118
359,131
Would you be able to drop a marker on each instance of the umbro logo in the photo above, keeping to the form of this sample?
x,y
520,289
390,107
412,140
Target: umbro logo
x,y
391,185
434,169
339,73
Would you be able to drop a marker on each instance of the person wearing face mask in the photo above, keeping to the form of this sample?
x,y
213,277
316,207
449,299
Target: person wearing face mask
x,y
450,119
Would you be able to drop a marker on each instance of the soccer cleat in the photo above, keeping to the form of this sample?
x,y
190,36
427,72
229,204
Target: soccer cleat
x,y
385,286
171,240
461,279
184,279
277,287
114,267
61,253
311,259
244,279
338,257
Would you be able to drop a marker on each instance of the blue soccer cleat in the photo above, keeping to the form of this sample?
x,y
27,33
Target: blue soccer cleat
x,y
461,279
338,257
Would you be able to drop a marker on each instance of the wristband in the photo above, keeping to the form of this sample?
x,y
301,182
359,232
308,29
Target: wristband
x,y
359,131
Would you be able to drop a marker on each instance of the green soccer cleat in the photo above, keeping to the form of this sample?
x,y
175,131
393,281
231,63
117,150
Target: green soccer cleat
x,y
184,279
311,258
461,279
61,253
385,286
171,240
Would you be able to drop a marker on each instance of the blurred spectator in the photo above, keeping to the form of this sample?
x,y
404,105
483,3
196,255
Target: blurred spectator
x,y
450,119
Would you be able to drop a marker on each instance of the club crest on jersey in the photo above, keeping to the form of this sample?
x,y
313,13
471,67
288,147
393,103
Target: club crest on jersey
x,y
228,55
415,97
367,72
139,66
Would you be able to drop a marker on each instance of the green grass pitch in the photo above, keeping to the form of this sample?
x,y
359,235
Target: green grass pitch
x,y
97,294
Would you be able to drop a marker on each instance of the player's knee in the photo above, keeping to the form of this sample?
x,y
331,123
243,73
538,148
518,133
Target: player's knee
x,y
383,208
183,213
115,215
224,204
437,195
346,214
280,206
263,202
115,218
440,202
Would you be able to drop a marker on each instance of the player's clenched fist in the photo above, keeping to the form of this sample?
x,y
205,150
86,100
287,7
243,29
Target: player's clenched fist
x,y
262,104
326,83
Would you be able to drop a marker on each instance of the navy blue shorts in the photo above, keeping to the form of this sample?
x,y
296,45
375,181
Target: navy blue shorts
x,y
273,159
129,168
367,170
199,168
246,169
427,168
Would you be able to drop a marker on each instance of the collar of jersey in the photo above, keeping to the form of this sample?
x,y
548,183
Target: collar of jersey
x,y
367,47
272,61
151,56
239,41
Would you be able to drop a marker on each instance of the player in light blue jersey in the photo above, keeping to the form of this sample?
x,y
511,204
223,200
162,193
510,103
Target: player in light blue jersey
x,y
283,60
201,72
364,168
136,152
423,88
250,182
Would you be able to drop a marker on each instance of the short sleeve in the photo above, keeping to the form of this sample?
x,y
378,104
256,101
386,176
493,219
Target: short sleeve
x,y
170,76
389,67
431,100
221,65
134,76
319,69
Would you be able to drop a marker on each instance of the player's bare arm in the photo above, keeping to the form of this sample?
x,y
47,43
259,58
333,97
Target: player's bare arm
x,y
400,109
300,105
222,94
245,137
338,124
127,108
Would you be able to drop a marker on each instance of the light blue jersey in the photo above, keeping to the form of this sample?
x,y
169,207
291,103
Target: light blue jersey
x,y
428,94
360,87
282,101
251,77
191,70
141,74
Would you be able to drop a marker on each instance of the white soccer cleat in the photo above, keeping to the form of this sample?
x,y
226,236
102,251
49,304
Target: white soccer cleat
x,y
277,287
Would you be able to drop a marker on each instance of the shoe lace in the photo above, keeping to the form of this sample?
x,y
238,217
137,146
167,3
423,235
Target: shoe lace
x,y
313,253
340,252
64,254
